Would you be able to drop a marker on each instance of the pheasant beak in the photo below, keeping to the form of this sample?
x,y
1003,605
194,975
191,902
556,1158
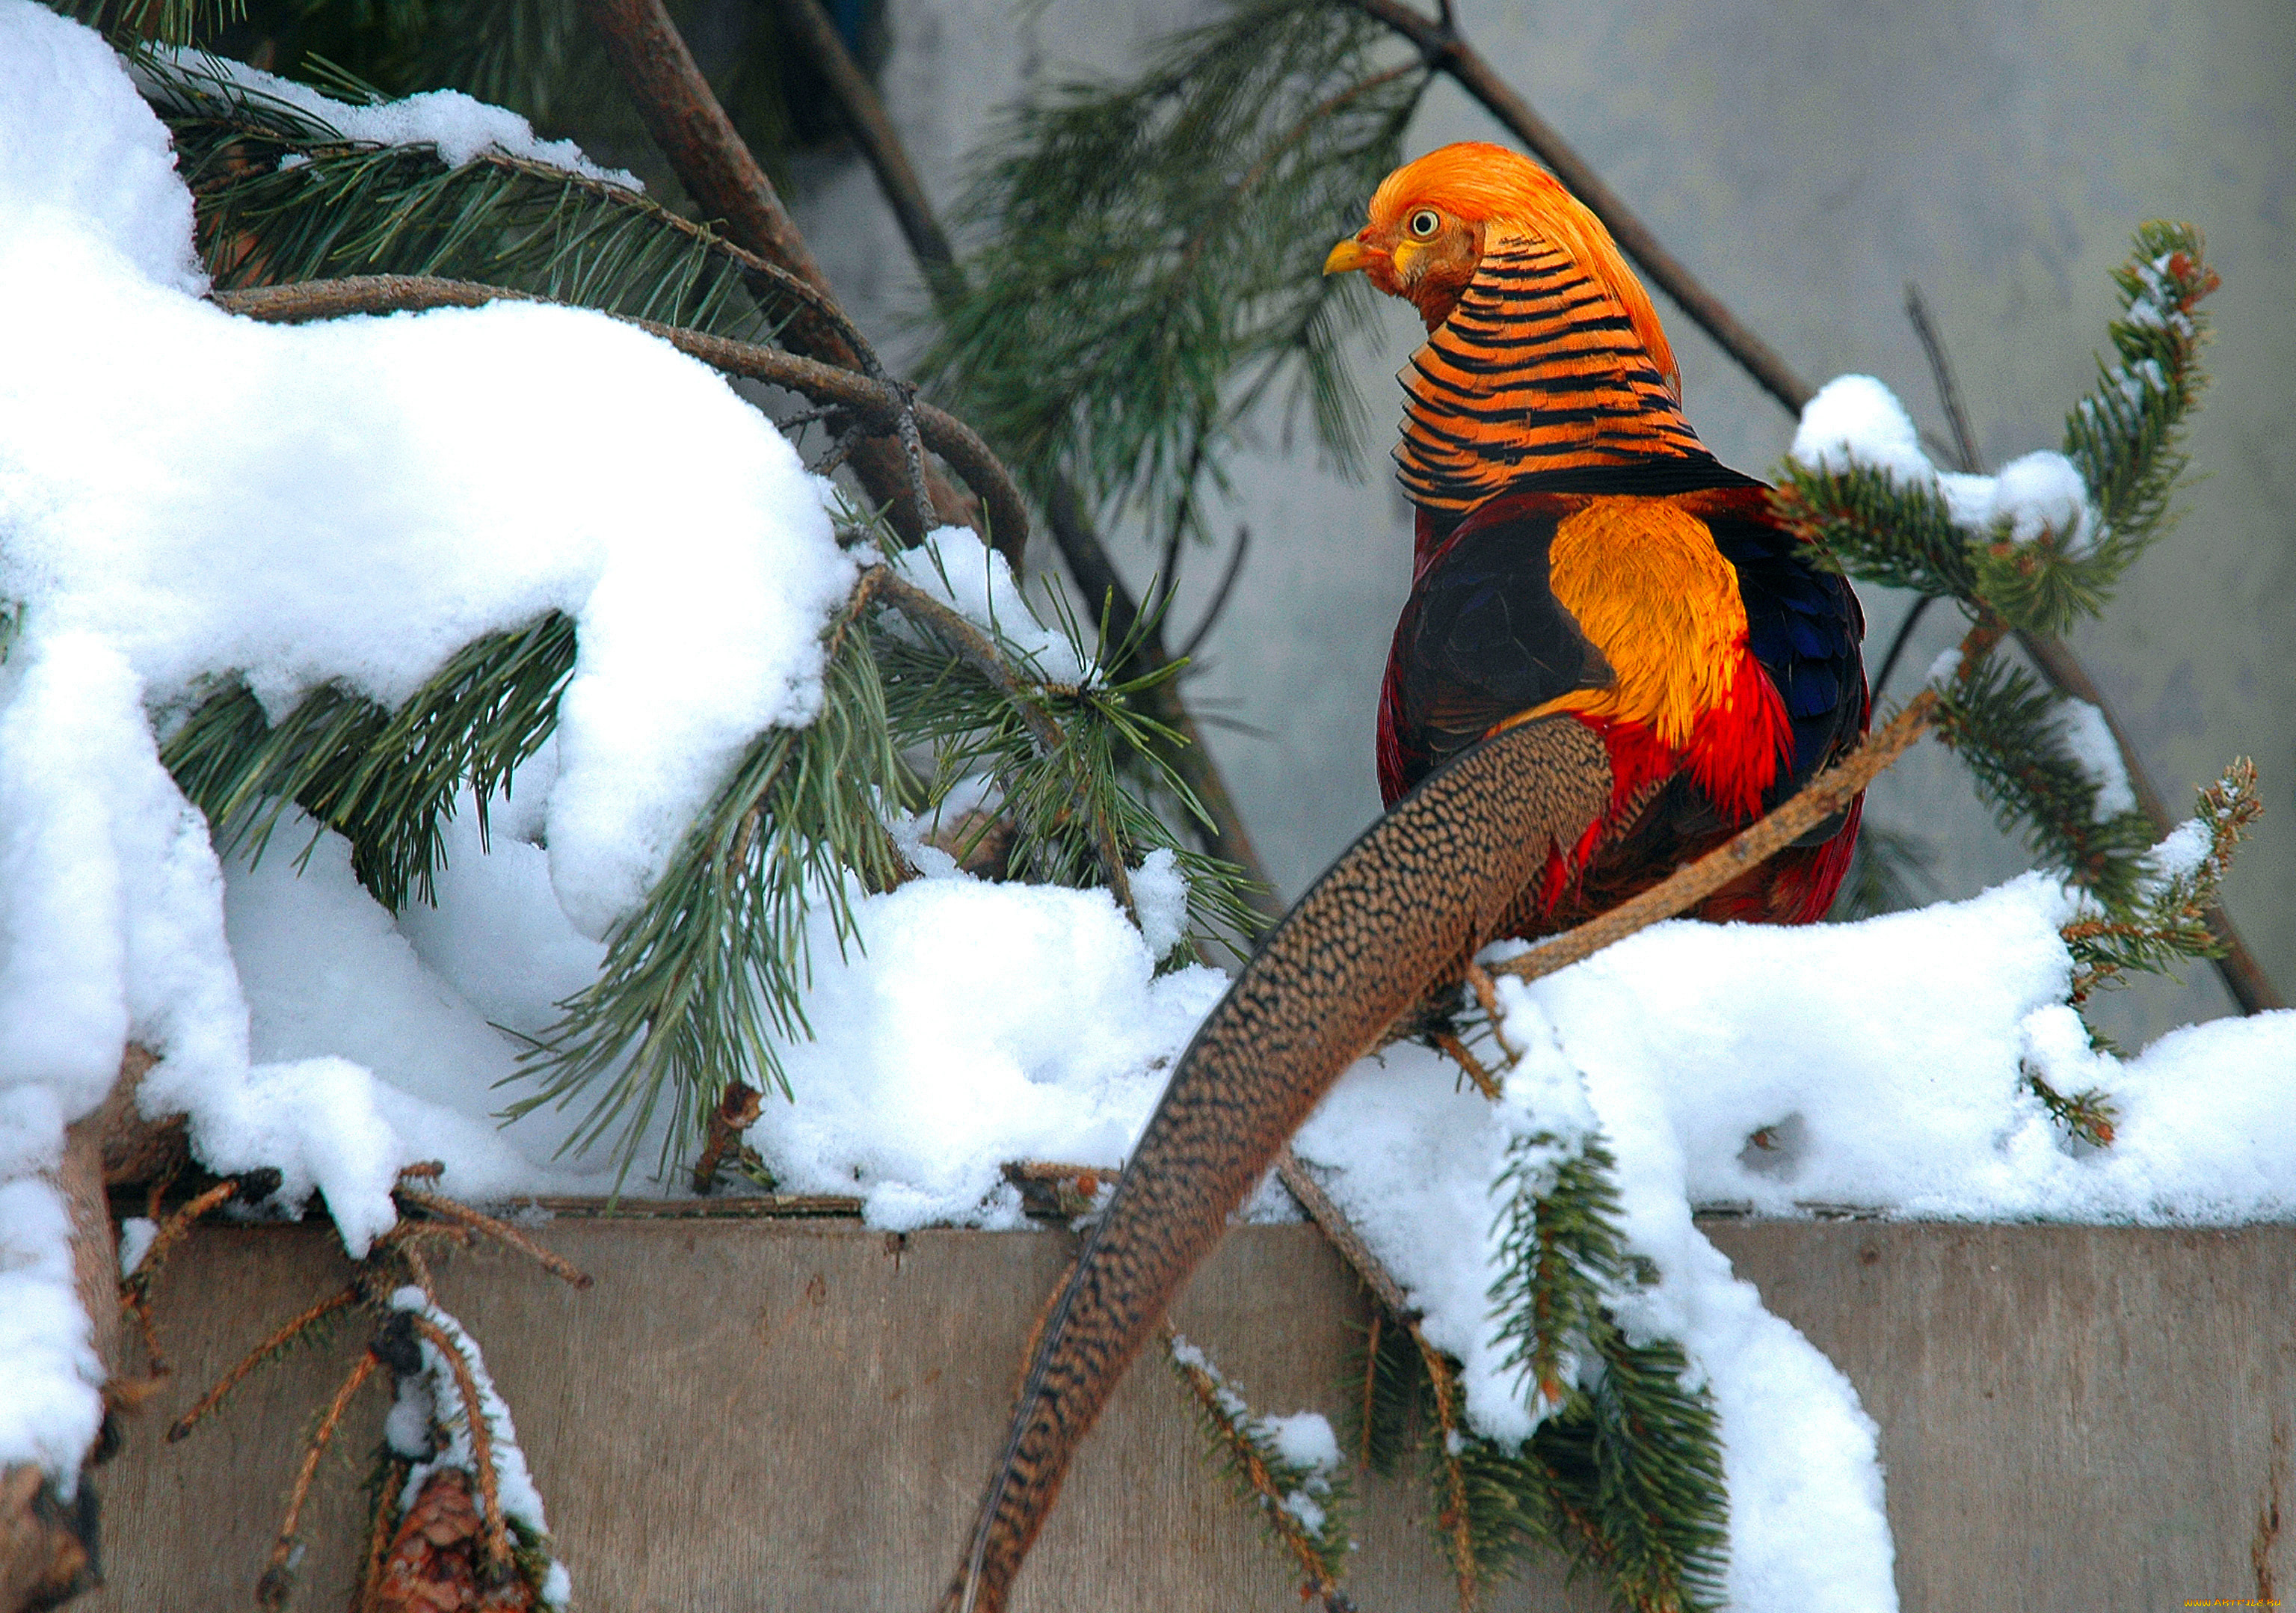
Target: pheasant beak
x,y
1350,254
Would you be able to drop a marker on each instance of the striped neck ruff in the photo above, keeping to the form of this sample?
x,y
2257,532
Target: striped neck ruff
x,y
1537,369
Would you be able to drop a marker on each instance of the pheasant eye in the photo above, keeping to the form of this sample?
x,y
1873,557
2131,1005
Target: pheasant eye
x,y
1424,223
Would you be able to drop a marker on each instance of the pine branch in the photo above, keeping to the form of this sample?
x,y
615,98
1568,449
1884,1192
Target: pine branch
x,y
1561,1256
1184,756
283,195
1058,753
2170,917
703,982
1302,1506
387,781
2005,728
129,22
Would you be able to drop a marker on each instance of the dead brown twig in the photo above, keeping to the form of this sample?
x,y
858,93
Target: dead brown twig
x,y
502,1232
285,1335
738,1108
279,1576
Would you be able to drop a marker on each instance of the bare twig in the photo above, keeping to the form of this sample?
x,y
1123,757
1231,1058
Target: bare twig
x,y
873,131
1816,801
1948,389
1456,1051
738,1108
278,1341
278,1575
879,404
1335,1226
500,1231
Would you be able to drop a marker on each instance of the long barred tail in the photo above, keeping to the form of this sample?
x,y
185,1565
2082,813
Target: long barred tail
x,y
1400,910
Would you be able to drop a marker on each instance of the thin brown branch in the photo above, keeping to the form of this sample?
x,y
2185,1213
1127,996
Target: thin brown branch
x,y
502,1232
1367,1413
878,404
1456,1051
278,1575
980,652
378,1532
1340,1232
482,1439
1445,50
278,1341
873,131
1457,1517
1948,389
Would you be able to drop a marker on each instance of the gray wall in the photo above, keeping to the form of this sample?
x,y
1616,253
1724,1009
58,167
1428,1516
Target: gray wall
x,y
1805,160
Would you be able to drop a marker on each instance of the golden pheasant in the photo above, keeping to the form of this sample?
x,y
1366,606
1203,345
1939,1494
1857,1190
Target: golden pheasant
x,y
1612,659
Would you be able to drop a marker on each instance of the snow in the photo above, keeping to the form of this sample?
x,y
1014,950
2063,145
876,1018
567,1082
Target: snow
x,y
1855,420
1305,1440
1681,1042
974,1023
954,566
80,145
349,503
2089,741
1302,1441
52,1403
1160,897
456,126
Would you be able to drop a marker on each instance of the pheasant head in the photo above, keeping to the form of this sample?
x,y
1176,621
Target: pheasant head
x,y
1544,356
1432,220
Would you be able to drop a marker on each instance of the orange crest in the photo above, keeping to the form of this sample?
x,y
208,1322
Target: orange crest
x,y
1509,195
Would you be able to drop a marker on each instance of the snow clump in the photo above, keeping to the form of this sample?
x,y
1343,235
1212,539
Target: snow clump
x,y
452,123
1857,421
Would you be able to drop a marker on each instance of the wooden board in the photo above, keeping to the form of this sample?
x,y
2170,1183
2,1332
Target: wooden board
x,y
764,1415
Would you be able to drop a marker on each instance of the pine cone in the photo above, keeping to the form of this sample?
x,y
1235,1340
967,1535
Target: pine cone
x,y
438,1558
